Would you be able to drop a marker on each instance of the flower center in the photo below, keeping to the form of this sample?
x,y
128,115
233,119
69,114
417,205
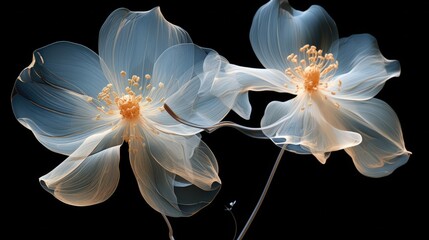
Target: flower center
x,y
129,104
311,69
311,78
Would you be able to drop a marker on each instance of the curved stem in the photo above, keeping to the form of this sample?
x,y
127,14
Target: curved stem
x,y
235,221
262,197
170,229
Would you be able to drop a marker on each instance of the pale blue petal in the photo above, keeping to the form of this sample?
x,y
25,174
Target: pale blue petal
x,y
211,89
233,82
175,67
233,89
180,72
382,149
279,30
187,73
68,66
87,176
52,97
242,105
132,41
303,123
166,191
255,79
87,182
362,68
209,107
202,110
181,155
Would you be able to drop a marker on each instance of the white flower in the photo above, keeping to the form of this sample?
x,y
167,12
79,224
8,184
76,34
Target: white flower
x,y
85,106
334,81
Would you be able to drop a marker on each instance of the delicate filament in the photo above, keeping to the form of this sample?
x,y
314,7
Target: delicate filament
x,y
128,104
313,70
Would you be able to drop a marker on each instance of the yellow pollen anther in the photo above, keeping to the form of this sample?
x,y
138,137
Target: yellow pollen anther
x,y
313,71
129,106
304,48
147,76
149,86
337,105
135,78
161,85
129,91
311,78
123,73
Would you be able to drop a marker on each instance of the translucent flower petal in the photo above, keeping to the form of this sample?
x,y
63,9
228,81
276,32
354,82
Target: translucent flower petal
x,y
53,96
180,71
232,88
176,66
254,79
166,191
300,122
187,157
211,86
191,97
198,108
362,68
132,41
87,176
68,66
279,30
382,149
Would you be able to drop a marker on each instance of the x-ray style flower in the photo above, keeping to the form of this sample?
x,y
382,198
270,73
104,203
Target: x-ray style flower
x,y
85,105
334,80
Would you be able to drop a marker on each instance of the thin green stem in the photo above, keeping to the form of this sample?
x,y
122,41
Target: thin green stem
x,y
262,197
170,229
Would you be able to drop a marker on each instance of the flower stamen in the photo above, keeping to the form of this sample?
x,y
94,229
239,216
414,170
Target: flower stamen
x,y
130,103
313,70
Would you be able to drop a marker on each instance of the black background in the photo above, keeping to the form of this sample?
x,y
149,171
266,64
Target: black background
x,y
306,198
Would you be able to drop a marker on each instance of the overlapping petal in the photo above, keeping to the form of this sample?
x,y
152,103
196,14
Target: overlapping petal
x,y
279,30
232,88
342,113
89,175
362,68
52,97
178,75
176,175
56,98
187,157
191,97
132,41
382,149
296,122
